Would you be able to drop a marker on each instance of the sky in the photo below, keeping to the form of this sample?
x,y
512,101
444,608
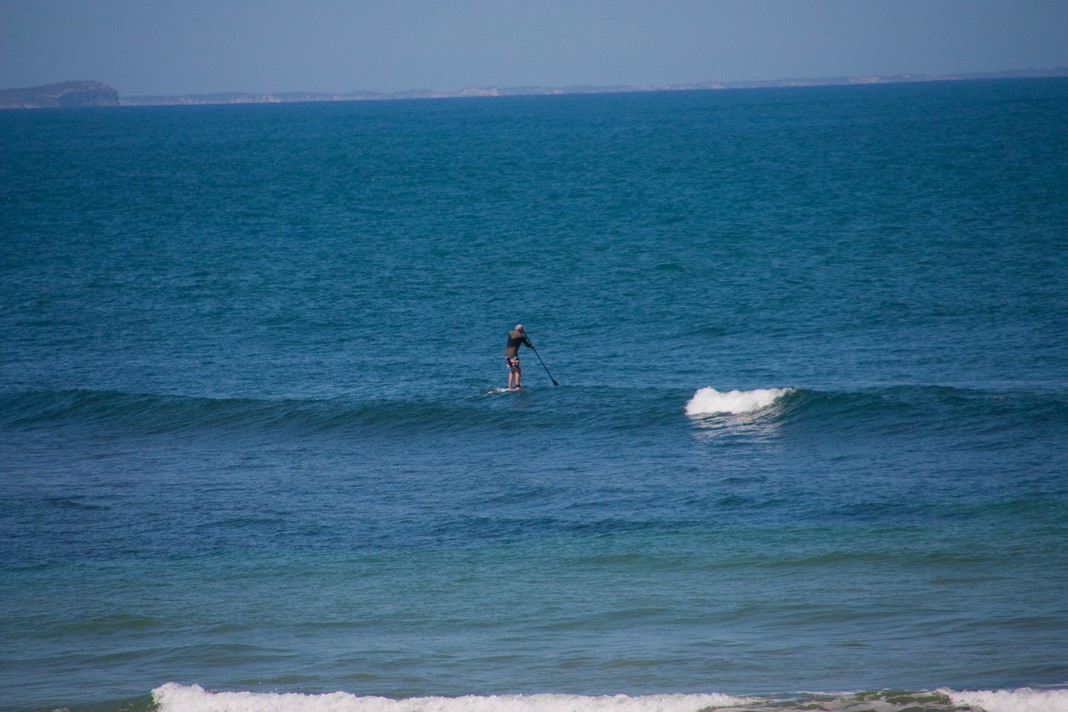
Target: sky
x,y
158,47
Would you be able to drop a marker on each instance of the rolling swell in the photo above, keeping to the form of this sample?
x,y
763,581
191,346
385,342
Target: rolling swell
x,y
890,411
150,414
93,411
930,410
936,419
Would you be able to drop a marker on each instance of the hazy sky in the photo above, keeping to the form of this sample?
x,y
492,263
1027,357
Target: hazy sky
x,y
192,46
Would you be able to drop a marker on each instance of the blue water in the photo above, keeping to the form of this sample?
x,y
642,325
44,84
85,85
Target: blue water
x,y
811,432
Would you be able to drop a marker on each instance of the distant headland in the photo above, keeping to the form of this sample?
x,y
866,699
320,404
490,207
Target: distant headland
x,y
64,94
92,93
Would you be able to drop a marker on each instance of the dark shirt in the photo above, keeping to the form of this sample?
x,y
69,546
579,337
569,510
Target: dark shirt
x,y
515,338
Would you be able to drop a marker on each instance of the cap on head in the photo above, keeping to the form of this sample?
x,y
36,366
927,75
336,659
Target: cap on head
x,y
518,327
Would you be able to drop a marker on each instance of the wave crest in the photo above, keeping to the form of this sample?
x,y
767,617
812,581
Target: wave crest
x,y
1022,700
173,697
709,401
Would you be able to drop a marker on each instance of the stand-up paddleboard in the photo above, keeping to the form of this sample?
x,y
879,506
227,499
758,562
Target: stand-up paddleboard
x,y
495,391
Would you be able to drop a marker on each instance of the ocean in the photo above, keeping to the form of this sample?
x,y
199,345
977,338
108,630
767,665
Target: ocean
x,y
808,449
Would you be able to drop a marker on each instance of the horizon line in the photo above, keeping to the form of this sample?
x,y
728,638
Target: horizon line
x,y
113,98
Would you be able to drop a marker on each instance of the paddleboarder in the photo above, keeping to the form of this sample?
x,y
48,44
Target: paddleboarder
x,y
516,338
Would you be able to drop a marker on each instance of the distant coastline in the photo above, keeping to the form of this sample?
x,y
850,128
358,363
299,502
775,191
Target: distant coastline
x,y
93,93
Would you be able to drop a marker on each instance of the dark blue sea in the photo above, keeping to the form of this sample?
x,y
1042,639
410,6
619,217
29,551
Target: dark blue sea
x,y
808,450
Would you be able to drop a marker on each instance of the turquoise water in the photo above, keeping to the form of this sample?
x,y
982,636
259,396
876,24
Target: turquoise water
x,y
811,432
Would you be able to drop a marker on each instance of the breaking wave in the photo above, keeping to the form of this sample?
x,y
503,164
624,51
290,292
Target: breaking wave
x,y
173,697
709,401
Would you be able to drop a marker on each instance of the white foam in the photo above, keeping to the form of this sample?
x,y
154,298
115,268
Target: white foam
x,y
1023,700
708,401
173,697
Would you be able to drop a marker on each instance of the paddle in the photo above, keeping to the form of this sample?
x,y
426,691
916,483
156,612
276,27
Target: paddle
x,y
544,366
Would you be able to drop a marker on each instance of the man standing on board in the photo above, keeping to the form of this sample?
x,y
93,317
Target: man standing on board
x,y
516,337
